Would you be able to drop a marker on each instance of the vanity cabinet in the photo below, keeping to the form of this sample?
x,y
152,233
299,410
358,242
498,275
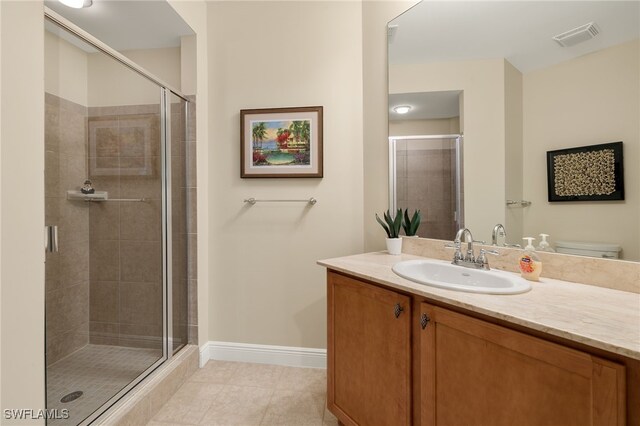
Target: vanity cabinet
x,y
473,372
443,367
369,353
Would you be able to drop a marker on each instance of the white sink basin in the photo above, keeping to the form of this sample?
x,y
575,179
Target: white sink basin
x,y
445,275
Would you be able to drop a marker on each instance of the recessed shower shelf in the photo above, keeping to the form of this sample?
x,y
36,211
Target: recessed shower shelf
x,y
99,197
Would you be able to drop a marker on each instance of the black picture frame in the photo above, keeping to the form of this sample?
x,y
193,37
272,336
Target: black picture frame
x,y
616,195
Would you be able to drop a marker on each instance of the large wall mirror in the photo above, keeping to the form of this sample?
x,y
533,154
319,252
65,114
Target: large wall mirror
x,y
488,93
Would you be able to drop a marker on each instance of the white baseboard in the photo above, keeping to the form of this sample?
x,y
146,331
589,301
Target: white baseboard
x,y
263,354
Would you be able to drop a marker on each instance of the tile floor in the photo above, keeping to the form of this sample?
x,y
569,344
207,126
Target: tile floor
x,y
234,393
99,371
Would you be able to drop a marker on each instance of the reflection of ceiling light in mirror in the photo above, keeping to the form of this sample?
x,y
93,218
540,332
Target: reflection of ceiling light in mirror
x,y
402,109
77,4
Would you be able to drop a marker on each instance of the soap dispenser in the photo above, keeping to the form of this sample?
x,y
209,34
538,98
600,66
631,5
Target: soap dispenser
x,y
544,244
530,264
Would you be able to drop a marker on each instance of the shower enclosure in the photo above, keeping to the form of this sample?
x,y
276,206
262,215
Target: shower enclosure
x,y
425,173
115,225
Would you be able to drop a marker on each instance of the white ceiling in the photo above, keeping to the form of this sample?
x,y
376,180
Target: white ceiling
x,y
520,31
128,25
429,105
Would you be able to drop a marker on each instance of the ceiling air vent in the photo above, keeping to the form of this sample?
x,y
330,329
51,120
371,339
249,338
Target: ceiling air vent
x,y
577,35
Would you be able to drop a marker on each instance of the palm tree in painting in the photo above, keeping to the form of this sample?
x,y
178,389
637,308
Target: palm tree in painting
x,y
259,132
306,131
296,128
301,130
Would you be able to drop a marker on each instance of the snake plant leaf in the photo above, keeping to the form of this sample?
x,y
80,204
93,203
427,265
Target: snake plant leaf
x,y
384,226
411,225
397,223
387,219
415,222
391,225
406,223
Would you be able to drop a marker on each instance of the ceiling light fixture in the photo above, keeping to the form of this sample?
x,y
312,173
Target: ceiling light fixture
x,y
402,109
77,4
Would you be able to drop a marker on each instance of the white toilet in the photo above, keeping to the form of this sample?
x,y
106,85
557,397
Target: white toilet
x,y
584,248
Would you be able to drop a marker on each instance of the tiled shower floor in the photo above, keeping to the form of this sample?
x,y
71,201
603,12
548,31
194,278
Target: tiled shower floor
x,y
99,371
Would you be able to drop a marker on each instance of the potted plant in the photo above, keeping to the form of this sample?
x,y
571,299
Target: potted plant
x,y
391,226
410,226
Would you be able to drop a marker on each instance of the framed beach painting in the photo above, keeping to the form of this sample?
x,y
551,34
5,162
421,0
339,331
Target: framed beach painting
x,y
281,142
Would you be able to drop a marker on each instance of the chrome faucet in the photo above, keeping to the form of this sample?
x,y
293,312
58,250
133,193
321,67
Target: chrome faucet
x,y
499,231
469,260
462,233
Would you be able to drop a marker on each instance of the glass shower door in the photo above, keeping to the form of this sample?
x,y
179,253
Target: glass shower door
x,y
425,173
180,192
105,194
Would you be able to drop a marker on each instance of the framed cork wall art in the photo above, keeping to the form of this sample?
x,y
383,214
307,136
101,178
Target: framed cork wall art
x,y
586,173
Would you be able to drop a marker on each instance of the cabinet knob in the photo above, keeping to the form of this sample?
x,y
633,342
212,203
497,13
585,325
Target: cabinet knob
x,y
424,320
397,310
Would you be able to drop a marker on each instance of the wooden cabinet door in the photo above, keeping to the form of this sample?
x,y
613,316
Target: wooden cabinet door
x,y
369,347
477,373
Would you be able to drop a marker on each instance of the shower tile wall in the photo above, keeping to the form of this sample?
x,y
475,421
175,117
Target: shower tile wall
x,y
192,229
183,165
118,300
179,223
125,237
67,271
425,181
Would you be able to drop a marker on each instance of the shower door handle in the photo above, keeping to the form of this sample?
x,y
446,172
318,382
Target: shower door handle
x,y
51,238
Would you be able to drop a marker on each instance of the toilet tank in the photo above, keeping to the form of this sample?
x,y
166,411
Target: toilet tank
x,y
583,248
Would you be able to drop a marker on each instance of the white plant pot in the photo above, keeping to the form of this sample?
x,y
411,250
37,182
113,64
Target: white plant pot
x,y
394,245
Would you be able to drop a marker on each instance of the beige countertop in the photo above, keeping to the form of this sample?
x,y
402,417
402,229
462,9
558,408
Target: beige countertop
x,y
599,317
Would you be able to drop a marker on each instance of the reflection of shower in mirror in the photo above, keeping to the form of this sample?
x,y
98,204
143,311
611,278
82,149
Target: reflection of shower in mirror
x,y
425,174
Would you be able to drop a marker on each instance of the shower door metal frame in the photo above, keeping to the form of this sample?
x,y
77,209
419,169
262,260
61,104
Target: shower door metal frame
x,y
165,148
459,212
107,50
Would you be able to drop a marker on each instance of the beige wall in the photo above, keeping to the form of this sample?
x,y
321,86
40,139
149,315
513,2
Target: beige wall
x,y
195,14
375,15
265,285
22,141
1,201
443,126
94,79
66,75
513,151
188,65
589,100
483,86
164,63
111,84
